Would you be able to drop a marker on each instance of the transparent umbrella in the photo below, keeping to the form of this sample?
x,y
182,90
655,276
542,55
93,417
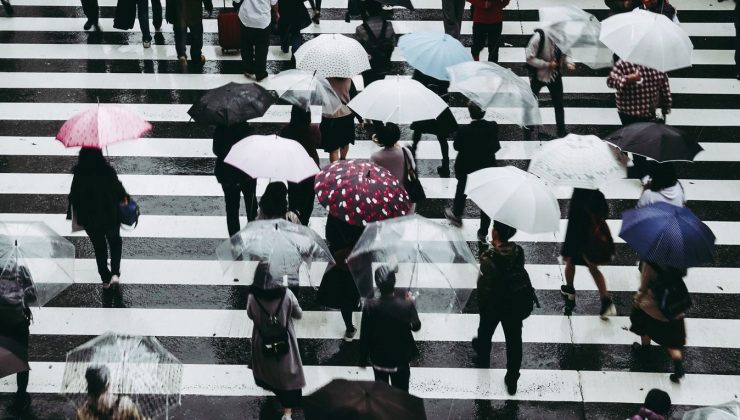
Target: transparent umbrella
x,y
305,88
576,33
139,368
286,251
426,256
35,262
727,411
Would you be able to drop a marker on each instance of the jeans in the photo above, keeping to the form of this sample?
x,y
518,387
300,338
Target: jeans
x,y
416,138
92,11
399,379
486,33
458,204
254,45
489,320
142,9
232,194
640,162
101,240
556,93
301,198
196,41
452,16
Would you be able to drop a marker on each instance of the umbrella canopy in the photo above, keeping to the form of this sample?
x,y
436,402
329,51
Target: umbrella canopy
x,y
12,357
514,197
727,411
576,33
647,38
432,52
102,125
305,88
397,100
414,243
231,104
250,155
332,55
577,161
36,263
497,89
668,235
284,248
655,141
138,367
360,192
362,400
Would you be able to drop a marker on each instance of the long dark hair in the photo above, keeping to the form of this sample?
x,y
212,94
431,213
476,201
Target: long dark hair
x,y
274,202
90,160
662,175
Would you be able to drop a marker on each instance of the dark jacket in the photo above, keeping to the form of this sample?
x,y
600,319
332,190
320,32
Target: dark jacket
x,y
476,144
309,138
95,197
293,16
495,262
586,208
338,289
223,139
385,332
377,42
186,13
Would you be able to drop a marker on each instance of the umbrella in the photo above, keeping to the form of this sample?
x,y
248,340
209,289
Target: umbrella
x,y
286,248
514,197
305,88
668,235
577,161
232,103
332,55
250,156
12,357
576,33
414,243
647,38
432,52
360,192
656,141
727,411
139,368
362,400
397,100
492,86
35,262
102,125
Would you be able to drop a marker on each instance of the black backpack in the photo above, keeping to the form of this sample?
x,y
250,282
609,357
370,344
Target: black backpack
x,y
522,294
275,338
671,295
380,47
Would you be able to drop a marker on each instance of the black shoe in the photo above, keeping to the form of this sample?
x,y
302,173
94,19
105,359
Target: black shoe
x,y
510,381
678,371
480,360
607,308
21,403
87,25
640,349
443,171
260,77
454,219
569,296
316,17
349,333
8,8
97,27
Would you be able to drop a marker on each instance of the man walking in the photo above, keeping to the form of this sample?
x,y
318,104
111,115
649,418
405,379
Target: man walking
x,y
255,17
452,16
184,15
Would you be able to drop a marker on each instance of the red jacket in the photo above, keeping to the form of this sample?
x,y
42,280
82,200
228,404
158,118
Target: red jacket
x,y
488,11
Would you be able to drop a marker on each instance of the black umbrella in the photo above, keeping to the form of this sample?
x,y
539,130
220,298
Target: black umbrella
x,y
362,400
656,141
231,104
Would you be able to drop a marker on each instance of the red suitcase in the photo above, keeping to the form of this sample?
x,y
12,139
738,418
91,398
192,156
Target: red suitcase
x,y
228,30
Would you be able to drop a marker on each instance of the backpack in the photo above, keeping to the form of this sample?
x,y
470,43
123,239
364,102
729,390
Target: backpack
x,y
671,295
379,47
275,339
523,296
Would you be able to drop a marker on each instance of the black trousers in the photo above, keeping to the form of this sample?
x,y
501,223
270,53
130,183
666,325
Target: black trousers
x,y
301,198
157,13
556,93
196,41
91,10
254,45
489,320
232,194
458,204
398,379
142,10
416,138
101,240
640,162
486,33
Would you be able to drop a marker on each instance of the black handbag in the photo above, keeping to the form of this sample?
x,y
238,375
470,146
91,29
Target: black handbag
x,y
412,183
671,295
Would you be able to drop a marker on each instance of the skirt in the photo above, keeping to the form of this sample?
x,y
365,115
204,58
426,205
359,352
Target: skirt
x,y
289,398
337,132
671,334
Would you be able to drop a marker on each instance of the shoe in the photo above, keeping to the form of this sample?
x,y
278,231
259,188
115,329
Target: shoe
x,y
562,134
286,417
316,17
482,237
453,218
249,75
480,360
678,373
387,7
476,58
199,62
285,48
260,77
147,44
607,308
8,8
349,334
510,382
21,403
443,171
183,61
569,296
87,25
106,286
115,280
97,27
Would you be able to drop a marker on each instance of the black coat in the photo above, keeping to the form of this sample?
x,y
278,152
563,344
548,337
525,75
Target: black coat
x,y
385,332
95,197
476,145
586,208
293,16
338,289
223,139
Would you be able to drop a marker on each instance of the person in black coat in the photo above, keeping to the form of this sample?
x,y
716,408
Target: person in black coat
x,y
385,338
376,36
293,18
233,181
95,199
301,195
476,145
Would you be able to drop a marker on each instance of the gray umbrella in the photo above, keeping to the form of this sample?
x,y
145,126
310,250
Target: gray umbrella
x,y
231,104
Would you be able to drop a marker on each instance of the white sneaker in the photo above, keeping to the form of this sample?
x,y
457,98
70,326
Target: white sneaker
x,y
147,44
286,417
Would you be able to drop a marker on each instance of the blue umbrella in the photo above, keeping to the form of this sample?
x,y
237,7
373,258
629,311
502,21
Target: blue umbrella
x,y
668,235
432,52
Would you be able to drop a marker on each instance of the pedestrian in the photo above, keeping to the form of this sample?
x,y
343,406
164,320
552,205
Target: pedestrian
x,y
649,321
392,156
338,289
546,65
376,36
126,12
100,403
662,186
587,242
338,128
488,18
657,406
476,145
293,18
276,358
501,279
639,91
316,8
442,127
274,203
233,182
452,16
187,15
386,341
301,195
92,12
660,7
94,201
621,6
255,17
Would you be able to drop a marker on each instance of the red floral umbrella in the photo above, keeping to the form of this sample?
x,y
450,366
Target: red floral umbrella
x,y
360,192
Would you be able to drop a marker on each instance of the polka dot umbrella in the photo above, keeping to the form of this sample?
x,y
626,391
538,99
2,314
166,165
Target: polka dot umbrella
x,y
360,192
102,125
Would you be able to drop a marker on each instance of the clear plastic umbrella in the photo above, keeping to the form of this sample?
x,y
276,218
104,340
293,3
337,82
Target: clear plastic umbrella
x,y
576,33
139,368
498,90
426,255
727,411
35,262
305,88
286,251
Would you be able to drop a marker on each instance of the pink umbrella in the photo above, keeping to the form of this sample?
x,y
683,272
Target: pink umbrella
x,y
102,125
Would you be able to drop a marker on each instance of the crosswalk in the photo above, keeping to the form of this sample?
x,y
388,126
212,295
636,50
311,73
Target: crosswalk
x,y
575,367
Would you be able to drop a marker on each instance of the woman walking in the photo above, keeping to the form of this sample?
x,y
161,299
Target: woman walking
x,y
338,129
300,129
392,156
274,204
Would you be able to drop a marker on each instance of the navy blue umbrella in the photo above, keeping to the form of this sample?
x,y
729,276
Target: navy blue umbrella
x,y
668,235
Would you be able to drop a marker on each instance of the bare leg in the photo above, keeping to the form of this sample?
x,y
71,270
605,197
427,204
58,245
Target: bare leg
x,y
334,156
645,340
598,279
343,152
570,271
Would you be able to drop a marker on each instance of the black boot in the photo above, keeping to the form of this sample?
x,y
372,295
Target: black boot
x,y
678,371
482,359
510,380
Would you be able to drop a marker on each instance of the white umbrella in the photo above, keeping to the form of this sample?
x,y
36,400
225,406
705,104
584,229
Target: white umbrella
x,y
647,38
305,88
576,33
332,55
397,100
577,161
272,157
514,197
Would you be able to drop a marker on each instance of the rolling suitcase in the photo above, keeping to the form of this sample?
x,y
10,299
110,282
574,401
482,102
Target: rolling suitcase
x,y
228,30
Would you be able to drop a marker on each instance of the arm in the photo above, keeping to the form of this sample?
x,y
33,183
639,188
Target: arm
x,y
457,143
531,53
295,308
665,95
616,79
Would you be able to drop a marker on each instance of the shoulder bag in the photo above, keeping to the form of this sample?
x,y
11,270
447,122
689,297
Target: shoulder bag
x,y
412,183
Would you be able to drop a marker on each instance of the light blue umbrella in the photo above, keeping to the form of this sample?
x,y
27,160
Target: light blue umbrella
x,y
432,52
